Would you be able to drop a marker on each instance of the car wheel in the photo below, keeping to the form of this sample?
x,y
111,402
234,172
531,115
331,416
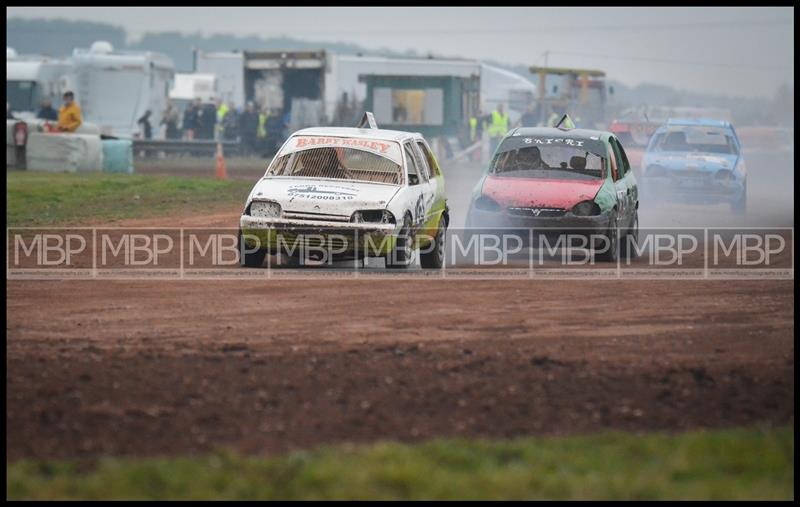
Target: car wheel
x,y
250,259
400,256
435,258
611,253
631,240
739,206
286,261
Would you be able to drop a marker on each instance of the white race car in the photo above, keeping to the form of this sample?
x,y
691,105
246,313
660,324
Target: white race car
x,y
348,193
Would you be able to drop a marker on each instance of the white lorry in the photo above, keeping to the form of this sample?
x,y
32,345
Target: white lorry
x,y
31,79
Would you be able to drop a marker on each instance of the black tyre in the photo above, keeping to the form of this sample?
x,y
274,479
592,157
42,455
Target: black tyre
x,y
400,257
631,239
611,244
286,261
250,259
434,259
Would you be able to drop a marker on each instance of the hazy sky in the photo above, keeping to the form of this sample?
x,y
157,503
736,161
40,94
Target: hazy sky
x,y
743,51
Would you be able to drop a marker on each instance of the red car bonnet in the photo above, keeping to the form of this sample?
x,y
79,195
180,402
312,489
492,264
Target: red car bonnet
x,y
543,193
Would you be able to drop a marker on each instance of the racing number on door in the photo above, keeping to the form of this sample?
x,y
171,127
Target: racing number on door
x,y
419,211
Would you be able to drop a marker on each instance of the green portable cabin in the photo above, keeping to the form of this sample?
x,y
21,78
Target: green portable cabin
x,y
433,105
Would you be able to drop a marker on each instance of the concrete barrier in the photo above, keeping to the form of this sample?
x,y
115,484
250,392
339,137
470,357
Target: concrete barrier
x,y
64,152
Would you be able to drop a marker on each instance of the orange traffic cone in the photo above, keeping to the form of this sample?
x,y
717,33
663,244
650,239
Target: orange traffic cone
x,y
222,172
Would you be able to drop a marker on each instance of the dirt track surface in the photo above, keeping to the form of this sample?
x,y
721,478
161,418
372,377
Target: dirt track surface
x,y
154,368
180,367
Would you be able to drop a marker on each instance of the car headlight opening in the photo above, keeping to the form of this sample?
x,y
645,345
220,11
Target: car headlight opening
x,y
586,209
485,203
265,209
373,216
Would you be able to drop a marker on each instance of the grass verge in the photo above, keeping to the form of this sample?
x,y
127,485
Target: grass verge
x,y
725,464
37,199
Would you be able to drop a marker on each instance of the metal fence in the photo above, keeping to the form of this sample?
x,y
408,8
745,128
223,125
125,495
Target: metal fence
x,y
180,148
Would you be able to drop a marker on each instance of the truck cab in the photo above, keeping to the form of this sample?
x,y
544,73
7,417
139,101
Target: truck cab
x,y
31,79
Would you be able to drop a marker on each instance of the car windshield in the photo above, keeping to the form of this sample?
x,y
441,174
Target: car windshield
x,y
548,162
338,163
695,139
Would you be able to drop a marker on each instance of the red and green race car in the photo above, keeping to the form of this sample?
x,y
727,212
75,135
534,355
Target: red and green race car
x,y
561,181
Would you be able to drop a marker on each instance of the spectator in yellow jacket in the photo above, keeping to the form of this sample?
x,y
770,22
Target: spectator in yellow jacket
x,y
69,116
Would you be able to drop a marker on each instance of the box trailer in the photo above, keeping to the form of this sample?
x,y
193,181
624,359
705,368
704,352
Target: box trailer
x,y
289,83
292,82
228,68
115,88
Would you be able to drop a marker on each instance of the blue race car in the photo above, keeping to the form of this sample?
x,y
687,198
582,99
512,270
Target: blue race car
x,y
698,161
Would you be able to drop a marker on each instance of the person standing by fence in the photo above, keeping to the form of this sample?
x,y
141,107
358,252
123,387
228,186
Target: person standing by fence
x,y
190,120
69,116
144,123
46,111
248,129
222,112
207,121
230,123
170,120
261,131
498,126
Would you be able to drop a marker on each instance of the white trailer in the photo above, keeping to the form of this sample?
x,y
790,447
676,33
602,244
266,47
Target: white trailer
x,y
188,87
115,88
228,67
32,78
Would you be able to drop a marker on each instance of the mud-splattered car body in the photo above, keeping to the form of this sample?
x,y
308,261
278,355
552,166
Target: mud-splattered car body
x,y
590,188
348,191
697,161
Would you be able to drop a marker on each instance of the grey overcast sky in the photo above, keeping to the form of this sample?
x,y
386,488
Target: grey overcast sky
x,y
746,51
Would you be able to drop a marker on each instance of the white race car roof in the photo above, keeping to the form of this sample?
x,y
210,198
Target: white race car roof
x,y
377,134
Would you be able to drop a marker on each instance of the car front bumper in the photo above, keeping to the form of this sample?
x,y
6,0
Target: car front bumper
x,y
292,236
500,222
696,188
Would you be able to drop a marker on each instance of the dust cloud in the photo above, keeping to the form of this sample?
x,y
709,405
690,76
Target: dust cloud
x,y
770,199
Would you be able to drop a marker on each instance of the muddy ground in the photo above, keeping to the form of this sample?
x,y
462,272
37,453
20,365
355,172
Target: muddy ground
x,y
179,367
153,368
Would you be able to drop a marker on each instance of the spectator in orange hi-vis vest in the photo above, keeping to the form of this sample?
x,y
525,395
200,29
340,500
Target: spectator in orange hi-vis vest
x,y
69,116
